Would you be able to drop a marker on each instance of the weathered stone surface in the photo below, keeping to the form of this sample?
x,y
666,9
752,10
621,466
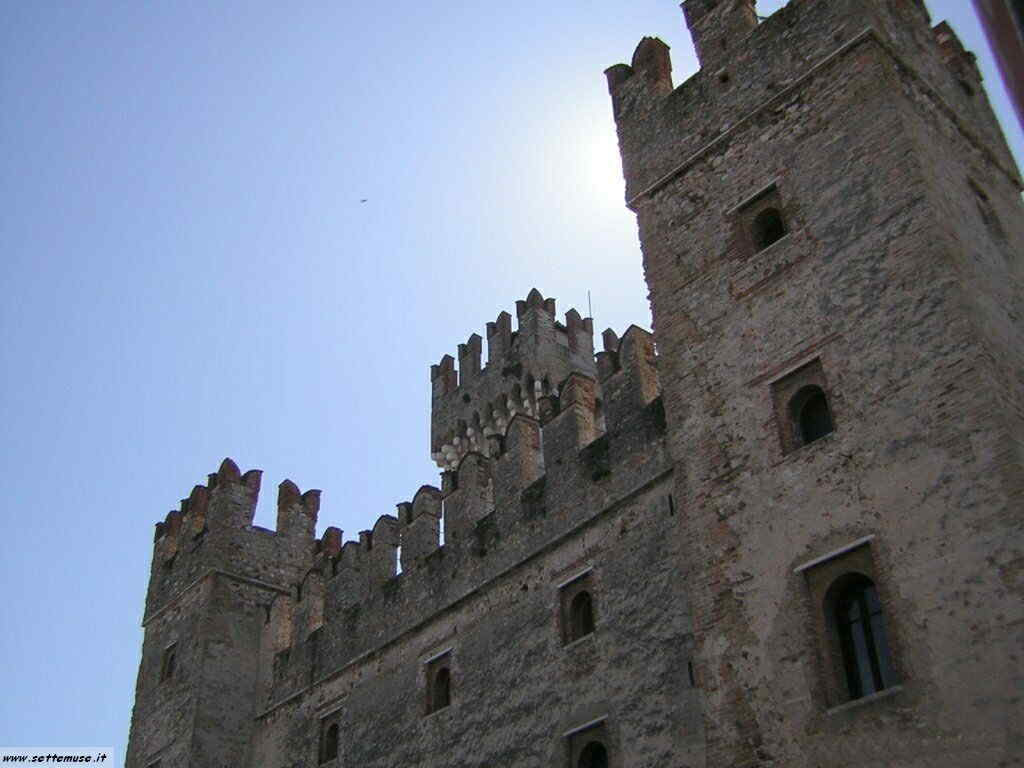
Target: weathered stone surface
x,y
669,478
902,279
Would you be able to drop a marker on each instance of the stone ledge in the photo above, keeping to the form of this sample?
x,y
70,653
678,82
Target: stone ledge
x,y
865,700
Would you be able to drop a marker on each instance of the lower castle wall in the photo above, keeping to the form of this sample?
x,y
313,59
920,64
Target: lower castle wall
x,y
516,689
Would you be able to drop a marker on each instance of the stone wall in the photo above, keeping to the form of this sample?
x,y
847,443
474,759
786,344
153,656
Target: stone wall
x,y
828,213
853,115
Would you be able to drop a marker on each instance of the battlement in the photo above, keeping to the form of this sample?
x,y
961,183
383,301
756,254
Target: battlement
x,y
474,403
589,447
213,530
750,64
585,439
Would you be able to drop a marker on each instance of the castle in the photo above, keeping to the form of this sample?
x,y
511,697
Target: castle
x,y
782,530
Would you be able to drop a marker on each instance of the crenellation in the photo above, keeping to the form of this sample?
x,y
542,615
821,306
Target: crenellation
x,y
330,542
382,550
469,359
297,512
499,338
774,54
521,461
472,405
421,527
349,583
652,61
468,497
718,29
443,376
575,425
172,526
195,507
233,497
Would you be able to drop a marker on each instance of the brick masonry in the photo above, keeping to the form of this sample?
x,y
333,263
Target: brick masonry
x,y
660,478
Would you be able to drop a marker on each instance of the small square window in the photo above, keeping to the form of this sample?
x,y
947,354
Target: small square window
x,y
759,222
168,662
439,682
576,608
803,412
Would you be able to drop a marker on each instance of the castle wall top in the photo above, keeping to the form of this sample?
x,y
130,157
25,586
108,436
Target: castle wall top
x,y
748,64
476,403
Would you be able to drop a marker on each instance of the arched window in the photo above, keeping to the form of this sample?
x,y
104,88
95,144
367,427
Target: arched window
x,y
811,416
768,228
581,616
438,682
169,662
594,755
860,627
441,690
329,744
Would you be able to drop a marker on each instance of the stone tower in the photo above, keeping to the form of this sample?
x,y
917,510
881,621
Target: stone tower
x,y
833,239
214,579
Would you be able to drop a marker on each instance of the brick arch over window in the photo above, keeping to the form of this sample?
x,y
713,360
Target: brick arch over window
x,y
857,623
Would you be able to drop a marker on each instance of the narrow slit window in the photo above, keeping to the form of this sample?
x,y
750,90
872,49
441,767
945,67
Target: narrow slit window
x,y
577,609
439,683
581,615
329,743
168,663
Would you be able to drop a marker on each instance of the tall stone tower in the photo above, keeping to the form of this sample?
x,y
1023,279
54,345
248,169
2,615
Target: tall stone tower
x,y
833,239
213,582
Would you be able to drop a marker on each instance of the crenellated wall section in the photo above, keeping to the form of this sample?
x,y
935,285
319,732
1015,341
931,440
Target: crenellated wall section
x,y
589,434
543,476
473,406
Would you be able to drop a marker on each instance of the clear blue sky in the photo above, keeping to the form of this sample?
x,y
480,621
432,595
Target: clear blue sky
x,y
188,272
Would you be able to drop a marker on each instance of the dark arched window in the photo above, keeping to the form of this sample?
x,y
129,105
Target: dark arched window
x,y
581,616
441,690
594,755
169,662
812,418
860,627
329,744
768,227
